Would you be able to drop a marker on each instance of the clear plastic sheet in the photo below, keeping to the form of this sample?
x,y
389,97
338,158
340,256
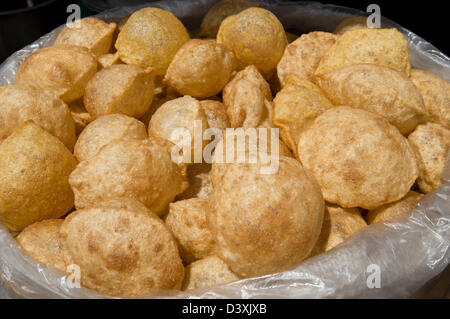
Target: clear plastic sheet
x,y
409,251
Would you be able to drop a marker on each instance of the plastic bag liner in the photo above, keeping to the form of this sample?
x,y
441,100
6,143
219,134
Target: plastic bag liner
x,y
406,252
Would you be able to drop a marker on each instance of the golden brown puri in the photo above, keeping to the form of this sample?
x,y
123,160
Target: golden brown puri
x,y
138,169
181,113
122,249
108,59
21,102
431,141
200,69
436,95
120,88
358,158
387,212
265,223
65,69
41,241
296,107
339,224
150,38
207,272
216,114
104,130
385,47
247,99
256,37
187,222
302,56
377,89
199,182
352,23
158,100
34,173
218,12
80,115
94,34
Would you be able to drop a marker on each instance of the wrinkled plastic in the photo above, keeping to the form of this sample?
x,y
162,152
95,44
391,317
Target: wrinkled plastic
x,y
408,251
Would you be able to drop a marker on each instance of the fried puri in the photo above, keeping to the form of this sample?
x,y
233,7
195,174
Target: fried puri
x,y
256,37
385,47
218,12
108,59
120,88
104,130
436,95
339,224
21,102
247,98
200,69
302,56
187,222
65,69
352,23
208,272
431,141
265,223
41,241
150,38
215,113
122,249
377,89
387,212
138,169
358,158
34,173
94,34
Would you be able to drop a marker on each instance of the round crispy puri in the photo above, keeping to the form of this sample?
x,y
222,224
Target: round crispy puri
x,y
65,69
216,114
34,173
387,212
120,88
94,34
208,272
377,89
104,130
265,223
255,36
41,241
385,47
150,38
432,144
436,95
358,158
138,169
21,102
122,250
187,222
302,56
200,68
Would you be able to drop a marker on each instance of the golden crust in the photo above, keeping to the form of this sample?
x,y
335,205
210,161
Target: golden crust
x,y
150,38
265,223
387,212
216,114
122,250
104,130
352,23
436,95
256,37
358,158
339,224
108,59
208,272
432,144
138,169
94,34
187,222
41,241
34,173
377,89
21,102
302,56
218,12
65,69
120,88
385,47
